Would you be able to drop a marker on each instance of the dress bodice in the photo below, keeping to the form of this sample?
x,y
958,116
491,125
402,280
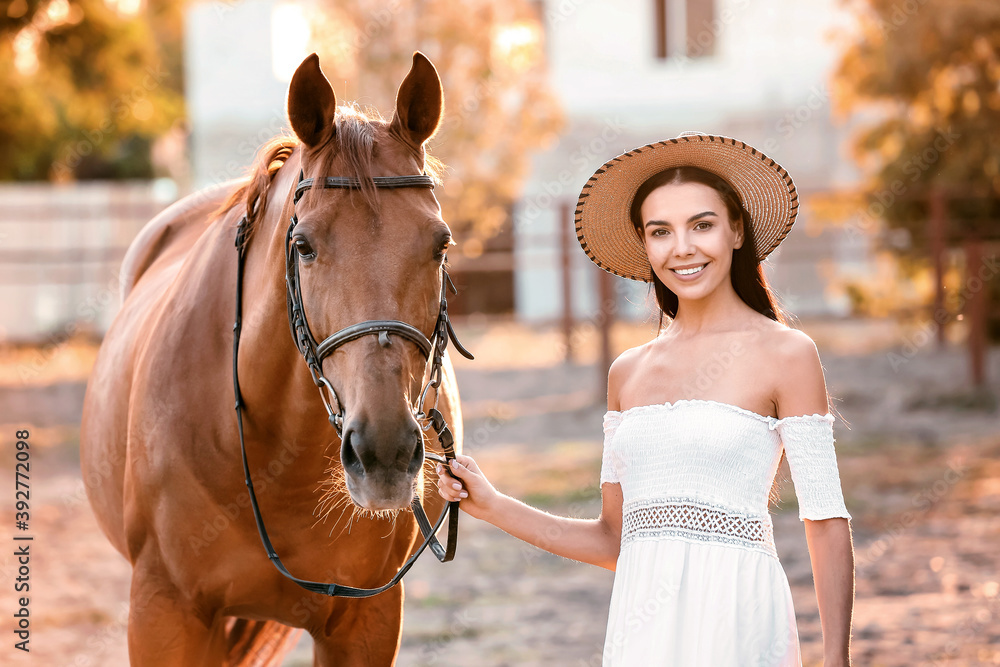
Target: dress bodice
x,y
703,469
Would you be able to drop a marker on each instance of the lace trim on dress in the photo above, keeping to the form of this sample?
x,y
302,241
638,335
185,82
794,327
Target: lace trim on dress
x,y
693,519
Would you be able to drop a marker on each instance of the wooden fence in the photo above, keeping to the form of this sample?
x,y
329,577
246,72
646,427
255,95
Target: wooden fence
x,y
61,247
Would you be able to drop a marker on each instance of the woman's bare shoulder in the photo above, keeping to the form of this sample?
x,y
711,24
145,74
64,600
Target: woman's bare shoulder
x,y
622,368
790,346
801,382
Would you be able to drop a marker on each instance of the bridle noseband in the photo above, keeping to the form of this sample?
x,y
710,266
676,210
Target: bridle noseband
x,y
314,352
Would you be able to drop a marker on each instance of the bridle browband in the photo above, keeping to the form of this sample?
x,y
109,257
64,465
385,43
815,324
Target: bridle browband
x,y
314,352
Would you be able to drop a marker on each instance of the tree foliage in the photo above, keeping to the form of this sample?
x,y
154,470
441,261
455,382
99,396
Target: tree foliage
x,y
87,85
490,55
930,69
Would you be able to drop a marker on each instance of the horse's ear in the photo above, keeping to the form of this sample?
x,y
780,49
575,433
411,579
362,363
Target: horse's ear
x,y
312,103
419,102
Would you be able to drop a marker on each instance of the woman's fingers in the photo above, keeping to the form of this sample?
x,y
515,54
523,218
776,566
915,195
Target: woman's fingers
x,y
448,486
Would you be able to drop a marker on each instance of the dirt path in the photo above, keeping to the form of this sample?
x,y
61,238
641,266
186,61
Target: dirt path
x,y
921,471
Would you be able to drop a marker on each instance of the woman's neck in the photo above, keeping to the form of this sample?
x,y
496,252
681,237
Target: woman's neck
x,y
722,310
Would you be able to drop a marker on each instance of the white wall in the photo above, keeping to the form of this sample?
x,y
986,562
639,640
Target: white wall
x,y
235,99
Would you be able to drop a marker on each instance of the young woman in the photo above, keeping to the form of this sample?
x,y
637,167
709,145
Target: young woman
x,y
698,421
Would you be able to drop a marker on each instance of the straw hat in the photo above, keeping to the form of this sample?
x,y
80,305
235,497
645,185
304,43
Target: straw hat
x,y
605,230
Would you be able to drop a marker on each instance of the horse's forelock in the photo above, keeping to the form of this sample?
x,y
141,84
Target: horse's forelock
x,y
356,132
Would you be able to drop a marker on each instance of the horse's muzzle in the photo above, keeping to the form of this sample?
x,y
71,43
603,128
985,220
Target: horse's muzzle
x,y
380,464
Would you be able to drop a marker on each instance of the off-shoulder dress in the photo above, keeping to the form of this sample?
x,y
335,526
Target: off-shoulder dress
x,y
698,581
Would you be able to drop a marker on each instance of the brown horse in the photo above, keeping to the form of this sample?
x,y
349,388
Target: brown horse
x,y
159,444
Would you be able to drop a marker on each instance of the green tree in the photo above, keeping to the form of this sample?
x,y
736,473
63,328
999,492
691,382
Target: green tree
x,y
930,70
89,84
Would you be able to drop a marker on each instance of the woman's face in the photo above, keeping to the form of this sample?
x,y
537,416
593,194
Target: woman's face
x,y
686,228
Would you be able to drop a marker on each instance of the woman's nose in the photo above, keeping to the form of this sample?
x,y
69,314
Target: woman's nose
x,y
683,245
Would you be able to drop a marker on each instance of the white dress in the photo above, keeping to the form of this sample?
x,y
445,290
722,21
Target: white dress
x,y
698,582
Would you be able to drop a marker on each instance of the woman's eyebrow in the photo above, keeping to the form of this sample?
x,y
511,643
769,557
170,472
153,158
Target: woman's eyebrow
x,y
690,220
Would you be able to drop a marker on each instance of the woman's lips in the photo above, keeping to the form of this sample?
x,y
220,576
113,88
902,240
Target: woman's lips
x,y
690,276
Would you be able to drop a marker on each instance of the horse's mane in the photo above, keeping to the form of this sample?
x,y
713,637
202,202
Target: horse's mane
x,y
355,139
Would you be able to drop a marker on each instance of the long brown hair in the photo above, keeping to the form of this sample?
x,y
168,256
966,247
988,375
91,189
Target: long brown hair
x,y
747,273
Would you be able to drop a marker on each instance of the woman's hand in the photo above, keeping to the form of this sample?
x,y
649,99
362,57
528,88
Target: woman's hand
x,y
465,482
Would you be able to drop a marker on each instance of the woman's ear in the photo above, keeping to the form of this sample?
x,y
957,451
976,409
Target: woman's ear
x,y
739,234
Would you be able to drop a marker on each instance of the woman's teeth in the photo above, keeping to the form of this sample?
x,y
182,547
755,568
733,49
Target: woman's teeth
x,y
688,272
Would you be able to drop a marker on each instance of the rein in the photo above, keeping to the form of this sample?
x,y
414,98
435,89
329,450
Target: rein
x,y
314,352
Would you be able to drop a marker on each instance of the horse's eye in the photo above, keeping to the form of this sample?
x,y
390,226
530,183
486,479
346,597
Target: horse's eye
x,y
304,249
442,252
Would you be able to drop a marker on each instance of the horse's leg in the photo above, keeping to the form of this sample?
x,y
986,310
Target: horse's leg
x,y
162,630
361,633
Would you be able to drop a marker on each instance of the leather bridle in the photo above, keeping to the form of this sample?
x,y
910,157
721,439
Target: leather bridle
x,y
314,352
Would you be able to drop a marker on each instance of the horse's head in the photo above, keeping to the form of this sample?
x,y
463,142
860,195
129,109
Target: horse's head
x,y
370,254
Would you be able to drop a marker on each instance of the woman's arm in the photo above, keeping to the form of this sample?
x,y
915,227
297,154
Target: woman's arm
x,y
801,390
594,541
831,552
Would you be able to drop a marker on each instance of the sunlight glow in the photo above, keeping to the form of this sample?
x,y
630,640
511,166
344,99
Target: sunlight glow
x,y
518,44
290,37
125,7
26,51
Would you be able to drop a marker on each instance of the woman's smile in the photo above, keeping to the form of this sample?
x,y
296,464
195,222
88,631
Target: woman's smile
x,y
690,273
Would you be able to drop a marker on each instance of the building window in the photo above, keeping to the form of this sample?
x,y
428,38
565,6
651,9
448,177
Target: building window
x,y
684,28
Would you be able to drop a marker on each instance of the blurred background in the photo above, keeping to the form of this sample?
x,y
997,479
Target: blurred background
x,y
886,113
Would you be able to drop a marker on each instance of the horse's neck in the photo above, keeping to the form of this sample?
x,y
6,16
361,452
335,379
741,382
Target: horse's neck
x,y
277,375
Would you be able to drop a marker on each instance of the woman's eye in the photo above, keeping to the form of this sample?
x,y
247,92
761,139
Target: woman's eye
x,y
659,232
303,248
708,225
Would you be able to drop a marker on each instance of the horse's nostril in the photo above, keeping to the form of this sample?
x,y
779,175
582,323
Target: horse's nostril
x,y
348,456
417,460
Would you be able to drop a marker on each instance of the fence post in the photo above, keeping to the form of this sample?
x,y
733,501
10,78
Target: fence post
x,y
976,310
566,270
607,309
937,223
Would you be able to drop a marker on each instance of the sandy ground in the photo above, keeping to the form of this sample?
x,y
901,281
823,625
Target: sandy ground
x,y
920,463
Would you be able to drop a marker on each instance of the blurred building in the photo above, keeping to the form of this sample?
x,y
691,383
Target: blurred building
x,y
634,72
238,60
627,73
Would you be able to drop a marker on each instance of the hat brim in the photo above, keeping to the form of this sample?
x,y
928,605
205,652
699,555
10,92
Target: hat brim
x,y
605,230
